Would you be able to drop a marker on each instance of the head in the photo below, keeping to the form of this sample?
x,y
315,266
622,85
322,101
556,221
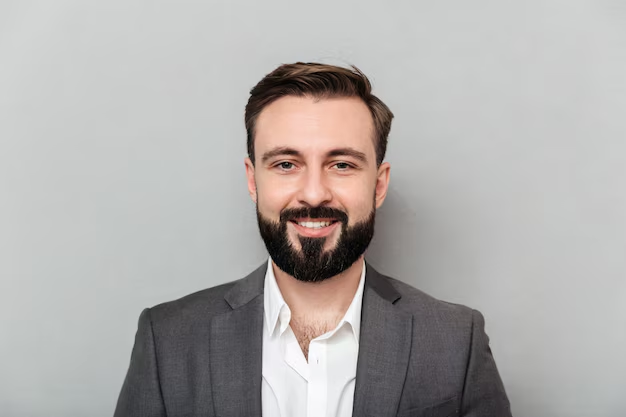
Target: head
x,y
316,143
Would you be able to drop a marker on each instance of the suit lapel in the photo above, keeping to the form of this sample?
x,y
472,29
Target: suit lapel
x,y
236,350
237,342
384,348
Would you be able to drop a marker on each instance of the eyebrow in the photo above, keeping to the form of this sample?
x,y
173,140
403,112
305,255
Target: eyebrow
x,y
348,152
283,150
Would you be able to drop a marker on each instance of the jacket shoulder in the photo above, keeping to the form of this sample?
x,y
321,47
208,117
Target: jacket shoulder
x,y
423,305
449,328
206,303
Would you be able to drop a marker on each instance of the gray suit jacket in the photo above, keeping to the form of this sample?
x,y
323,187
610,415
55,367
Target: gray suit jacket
x,y
418,357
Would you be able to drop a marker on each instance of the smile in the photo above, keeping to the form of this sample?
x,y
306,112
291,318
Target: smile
x,y
314,225
318,228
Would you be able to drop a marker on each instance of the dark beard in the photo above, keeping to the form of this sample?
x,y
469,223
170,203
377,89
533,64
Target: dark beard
x,y
312,263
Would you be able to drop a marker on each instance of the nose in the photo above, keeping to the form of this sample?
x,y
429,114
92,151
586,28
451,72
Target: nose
x,y
314,191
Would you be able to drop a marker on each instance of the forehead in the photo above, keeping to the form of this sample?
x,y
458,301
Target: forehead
x,y
315,125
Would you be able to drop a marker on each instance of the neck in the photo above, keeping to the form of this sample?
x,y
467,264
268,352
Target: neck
x,y
325,299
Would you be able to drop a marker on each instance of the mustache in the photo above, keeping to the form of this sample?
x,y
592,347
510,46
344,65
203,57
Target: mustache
x,y
313,213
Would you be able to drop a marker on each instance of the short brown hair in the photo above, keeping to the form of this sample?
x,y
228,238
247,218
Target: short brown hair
x,y
318,81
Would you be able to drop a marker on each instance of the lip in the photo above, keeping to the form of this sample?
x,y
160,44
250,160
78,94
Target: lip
x,y
321,232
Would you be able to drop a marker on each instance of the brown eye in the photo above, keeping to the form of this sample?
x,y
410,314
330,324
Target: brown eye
x,y
342,166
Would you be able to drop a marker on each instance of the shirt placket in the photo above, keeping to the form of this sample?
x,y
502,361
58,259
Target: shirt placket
x,y
318,378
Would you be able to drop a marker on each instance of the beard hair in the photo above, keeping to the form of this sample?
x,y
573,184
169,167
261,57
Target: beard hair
x,y
312,263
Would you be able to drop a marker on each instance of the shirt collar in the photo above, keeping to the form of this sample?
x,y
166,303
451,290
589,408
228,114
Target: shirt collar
x,y
274,302
278,314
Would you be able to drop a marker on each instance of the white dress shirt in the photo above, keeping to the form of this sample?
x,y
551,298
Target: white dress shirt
x,y
321,387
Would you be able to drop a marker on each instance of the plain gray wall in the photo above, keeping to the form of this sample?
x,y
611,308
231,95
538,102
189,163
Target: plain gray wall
x,y
122,178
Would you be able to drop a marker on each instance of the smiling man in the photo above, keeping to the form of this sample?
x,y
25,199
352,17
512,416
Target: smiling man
x,y
315,331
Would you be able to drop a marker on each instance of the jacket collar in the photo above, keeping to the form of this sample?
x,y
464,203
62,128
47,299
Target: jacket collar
x,y
237,341
251,286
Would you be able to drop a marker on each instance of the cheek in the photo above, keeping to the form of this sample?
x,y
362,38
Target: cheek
x,y
272,198
358,201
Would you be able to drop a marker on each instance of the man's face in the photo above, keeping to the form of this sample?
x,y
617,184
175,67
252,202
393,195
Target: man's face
x,y
316,184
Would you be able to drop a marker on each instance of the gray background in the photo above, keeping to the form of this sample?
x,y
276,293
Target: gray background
x,y
122,179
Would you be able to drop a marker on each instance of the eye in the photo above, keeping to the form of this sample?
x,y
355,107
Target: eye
x,y
343,166
285,166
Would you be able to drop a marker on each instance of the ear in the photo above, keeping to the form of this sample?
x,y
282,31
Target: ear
x,y
251,180
382,183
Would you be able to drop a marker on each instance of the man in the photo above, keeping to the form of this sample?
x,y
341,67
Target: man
x,y
315,331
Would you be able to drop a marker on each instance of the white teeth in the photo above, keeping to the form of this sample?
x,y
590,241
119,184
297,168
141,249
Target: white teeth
x,y
314,225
